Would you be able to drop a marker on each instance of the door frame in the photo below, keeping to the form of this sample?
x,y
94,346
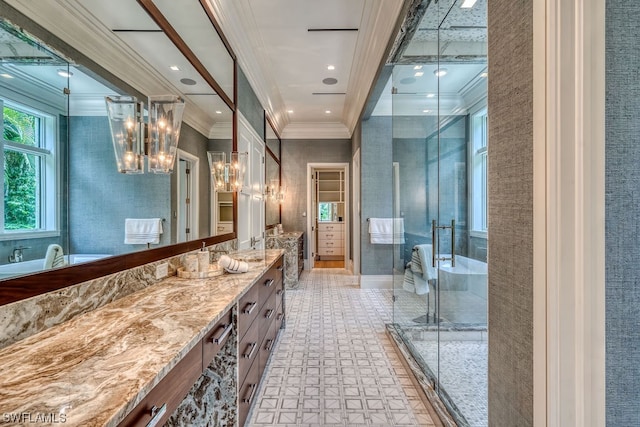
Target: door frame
x,y
311,209
355,207
195,191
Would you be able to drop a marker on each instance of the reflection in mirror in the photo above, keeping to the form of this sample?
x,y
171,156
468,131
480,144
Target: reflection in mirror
x,y
273,141
275,192
222,201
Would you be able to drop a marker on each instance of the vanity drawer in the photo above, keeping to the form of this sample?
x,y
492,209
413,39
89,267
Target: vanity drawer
x,y
267,345
330,227
248,349
331,251
267,315
330,244
248,309
168,393
248,392
270,280
279,317
216,338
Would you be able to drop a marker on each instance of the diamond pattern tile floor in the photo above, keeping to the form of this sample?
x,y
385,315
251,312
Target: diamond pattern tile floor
x,y
334,365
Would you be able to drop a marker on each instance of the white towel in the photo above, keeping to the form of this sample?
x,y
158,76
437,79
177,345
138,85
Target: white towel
x,y
142,230
386,231
424,257
413,281
233,265
54,257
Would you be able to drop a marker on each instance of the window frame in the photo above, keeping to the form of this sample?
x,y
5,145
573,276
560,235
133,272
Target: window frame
x,y
50,181
478,189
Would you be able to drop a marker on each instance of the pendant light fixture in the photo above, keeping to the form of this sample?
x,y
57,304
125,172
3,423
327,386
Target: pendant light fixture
x,y
227,176
133,138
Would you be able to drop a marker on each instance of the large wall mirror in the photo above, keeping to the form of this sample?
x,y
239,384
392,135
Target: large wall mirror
x,y
61,183
275,190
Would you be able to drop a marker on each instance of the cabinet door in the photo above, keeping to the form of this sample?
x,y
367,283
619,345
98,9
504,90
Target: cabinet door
x,y
251,197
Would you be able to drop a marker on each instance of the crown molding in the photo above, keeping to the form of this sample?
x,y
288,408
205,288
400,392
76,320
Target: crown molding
x,y
240,28
316,131
370,52
221,130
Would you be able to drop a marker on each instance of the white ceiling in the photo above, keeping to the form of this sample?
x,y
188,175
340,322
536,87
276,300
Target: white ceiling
x,y
283,61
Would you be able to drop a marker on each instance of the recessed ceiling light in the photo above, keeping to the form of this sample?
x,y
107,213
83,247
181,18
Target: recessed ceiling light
x,y
331,67
6,76
290,111
419,74
218,112
467,4
484,75
440,72
175,68
426,111
418,67
64,73
431,95
327,112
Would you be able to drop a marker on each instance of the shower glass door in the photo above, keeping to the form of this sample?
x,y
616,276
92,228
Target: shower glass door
x,y
439,119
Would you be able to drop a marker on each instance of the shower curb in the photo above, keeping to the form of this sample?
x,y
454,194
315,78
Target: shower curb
x,y
435,406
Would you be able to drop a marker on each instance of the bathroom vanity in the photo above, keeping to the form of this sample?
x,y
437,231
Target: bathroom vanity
x,y
293,244
153,356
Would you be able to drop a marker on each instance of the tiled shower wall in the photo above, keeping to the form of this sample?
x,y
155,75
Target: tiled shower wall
x,y
622,205
510,182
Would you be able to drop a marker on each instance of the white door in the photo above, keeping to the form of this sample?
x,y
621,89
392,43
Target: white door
x,y
187,212
251,197
356,212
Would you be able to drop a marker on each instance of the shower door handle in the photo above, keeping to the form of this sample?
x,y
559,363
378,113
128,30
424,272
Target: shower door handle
x,y
435,227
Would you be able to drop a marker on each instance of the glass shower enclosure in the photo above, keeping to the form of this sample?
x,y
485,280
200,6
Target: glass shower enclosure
x,y
439,103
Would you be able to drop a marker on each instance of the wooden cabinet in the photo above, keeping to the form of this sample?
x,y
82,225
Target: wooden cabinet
x,y
164,398
331,239
257,333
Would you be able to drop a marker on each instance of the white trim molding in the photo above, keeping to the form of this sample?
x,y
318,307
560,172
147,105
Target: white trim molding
x,y
569,302
316,131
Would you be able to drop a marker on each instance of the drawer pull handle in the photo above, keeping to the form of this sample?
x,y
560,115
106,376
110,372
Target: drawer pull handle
x,y
253,388
280,268
279,316
249,307
249,355
269,313
269,282
156,414
279,292
269,345
225,331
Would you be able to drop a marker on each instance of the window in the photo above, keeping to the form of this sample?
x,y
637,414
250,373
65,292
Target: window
x,y
479,172
29,181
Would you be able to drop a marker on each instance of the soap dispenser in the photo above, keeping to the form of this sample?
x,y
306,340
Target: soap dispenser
x,y
203,259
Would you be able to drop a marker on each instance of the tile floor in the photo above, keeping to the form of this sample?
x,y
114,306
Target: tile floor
x,y
334,364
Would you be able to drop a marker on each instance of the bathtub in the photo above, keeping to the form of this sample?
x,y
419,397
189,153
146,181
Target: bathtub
x,y
468,275
36,265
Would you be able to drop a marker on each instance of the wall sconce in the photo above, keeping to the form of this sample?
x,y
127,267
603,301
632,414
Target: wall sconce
x,y
133,139
227,176
275,192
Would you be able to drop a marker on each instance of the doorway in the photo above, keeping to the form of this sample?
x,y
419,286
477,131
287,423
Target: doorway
x,y
187,191
328,219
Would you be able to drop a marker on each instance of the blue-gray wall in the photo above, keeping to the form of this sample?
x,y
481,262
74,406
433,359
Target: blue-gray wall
x,y
100,198
621,213
295,156
375,192
249,104
510,153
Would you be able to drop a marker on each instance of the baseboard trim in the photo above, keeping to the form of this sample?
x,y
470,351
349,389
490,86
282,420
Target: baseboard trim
x,y
370,281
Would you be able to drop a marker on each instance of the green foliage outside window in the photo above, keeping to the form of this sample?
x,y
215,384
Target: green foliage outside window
x,y
20,171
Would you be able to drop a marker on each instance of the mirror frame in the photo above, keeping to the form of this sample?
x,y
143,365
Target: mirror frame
x,y
30,285
268,152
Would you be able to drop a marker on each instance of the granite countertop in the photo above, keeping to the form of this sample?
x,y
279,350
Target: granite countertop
x,y
95,368
287,235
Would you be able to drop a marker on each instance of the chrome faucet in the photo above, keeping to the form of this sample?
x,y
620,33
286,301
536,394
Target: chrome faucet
x,y
16,256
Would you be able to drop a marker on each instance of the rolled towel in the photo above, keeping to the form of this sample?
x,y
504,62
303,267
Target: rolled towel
x,y
232,265
54,257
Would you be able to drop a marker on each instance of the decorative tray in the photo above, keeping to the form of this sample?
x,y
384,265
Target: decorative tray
x,y
214,270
